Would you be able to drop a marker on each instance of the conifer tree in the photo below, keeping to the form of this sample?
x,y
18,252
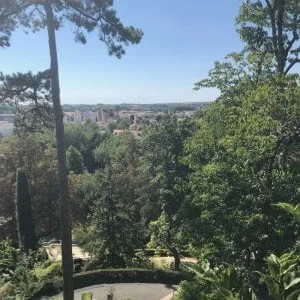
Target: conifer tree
x,y
24,216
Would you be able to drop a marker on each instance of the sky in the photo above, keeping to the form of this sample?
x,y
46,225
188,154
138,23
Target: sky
x,y
181,42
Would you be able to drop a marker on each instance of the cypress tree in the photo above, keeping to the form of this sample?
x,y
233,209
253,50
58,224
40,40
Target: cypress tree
x,y
24,217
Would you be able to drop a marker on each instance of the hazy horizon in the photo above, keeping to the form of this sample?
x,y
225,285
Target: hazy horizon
x,y
180,45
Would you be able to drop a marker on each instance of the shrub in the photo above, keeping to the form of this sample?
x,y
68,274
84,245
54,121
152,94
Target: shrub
x,y
140,260
8,260
86,296
126,275
6,290
47,271
91,265
115,276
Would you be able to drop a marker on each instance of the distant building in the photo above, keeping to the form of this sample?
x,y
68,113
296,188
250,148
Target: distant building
x,y
69,117
103,115
82,116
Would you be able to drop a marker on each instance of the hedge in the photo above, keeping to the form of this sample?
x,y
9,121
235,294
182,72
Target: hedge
x,y
150,252
90,278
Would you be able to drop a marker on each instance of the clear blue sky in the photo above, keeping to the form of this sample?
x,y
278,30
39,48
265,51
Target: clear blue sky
x,y
182,40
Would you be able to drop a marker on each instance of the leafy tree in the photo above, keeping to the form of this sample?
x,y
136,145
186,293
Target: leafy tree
x,y
166,232
294,211
44,188
111,236
78,207
42,171
239,171
270,29
75,160
161,148
87,16
272,26
26,229
123,124
114,230
107,151
85,138
238,73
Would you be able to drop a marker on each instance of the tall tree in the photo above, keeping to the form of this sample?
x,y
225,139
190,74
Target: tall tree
x,y
272,26
25,224
87,16
239,171
270,30
161,148
75,160
114,230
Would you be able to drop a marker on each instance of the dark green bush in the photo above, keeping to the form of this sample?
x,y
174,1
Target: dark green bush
x,y
126,275
85,279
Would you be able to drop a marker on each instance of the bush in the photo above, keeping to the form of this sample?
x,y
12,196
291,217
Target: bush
x,y
115,276
8,260
47,270
6,290
140,261
86,296
126,275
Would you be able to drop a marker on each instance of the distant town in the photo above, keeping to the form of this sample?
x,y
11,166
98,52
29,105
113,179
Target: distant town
x,y
117,118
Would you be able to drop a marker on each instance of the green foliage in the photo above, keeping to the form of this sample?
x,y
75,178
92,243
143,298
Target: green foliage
x,y
87,279
87,296
85,138
42,172
75,160
46,270
22,274
25,223
141,260
293,210
26,284
86,17
107,151
239,171
283,277
273,28
8,260
123,124
126,275
161,147
111,234
219,283
33,90
237,73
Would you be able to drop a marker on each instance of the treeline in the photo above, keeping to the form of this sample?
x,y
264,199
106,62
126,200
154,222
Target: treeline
x,y
118,184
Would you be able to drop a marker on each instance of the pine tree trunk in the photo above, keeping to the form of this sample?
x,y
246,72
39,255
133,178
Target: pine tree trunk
x,y
67,259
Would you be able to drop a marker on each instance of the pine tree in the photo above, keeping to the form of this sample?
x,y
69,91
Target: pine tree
x,y
25,224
